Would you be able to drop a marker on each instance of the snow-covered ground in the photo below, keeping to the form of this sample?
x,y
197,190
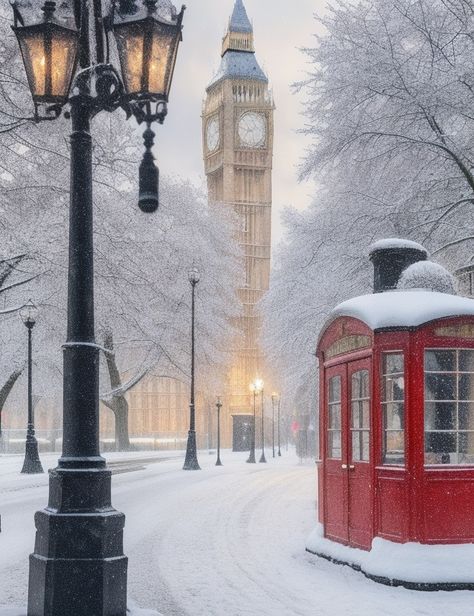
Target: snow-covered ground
x,y
224,541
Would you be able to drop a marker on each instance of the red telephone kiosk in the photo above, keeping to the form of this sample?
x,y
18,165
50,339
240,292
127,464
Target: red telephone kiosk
x,y
396,475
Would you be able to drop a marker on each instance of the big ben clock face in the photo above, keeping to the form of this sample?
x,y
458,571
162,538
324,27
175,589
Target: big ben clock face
x,y
252,129
212,134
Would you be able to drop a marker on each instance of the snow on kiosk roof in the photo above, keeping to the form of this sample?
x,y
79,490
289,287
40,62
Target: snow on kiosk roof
x,y
402,308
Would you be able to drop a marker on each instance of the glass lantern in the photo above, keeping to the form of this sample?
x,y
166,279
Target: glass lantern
x,y
49,51
147,50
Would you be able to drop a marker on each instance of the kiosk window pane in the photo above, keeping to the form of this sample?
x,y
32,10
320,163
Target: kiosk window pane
x,y
393,408
334,418
440,361
449,406
466,361
360,420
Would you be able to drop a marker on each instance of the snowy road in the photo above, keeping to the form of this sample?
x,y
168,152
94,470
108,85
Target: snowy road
x,y
225,541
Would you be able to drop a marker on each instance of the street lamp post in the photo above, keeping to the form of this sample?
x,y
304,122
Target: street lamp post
x,y
78,566
219,406
32,463
274,397
276,400
262,457
191,462
279,406
251,458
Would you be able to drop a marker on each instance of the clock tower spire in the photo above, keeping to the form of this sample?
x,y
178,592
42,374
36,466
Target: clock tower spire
x,y
238,151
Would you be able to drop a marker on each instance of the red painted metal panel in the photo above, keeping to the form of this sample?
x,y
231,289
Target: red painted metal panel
x,y
393,507
448,500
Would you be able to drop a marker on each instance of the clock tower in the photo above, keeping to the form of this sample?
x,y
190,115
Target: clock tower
x,y
238,149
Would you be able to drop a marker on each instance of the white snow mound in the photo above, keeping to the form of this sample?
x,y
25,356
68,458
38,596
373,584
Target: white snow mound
x,y
429,276
407,562
134,610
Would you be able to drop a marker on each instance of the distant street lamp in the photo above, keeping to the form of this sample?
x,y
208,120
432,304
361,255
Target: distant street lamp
x,y
191,462
255,388
219,406
274,399
262,457
32,463
279,407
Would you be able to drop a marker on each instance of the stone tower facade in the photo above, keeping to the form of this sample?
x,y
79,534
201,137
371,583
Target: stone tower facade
x,y
237,124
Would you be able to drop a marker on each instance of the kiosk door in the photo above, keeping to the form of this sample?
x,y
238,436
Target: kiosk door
x,y
347,485
358,455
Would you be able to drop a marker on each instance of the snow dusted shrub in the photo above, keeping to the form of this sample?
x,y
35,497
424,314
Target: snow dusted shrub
x,y
427,275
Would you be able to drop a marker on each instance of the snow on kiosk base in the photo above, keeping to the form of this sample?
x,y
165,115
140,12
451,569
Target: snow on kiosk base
x,y
396,475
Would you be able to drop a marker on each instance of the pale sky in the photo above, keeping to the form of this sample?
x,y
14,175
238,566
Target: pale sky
x,y
281,27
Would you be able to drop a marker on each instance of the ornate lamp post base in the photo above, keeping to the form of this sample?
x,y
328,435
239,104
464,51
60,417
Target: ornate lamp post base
x,y
78,548
191,462
32,463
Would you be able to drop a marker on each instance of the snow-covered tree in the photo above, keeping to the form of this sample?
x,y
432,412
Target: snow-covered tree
x,y
389,102
142,261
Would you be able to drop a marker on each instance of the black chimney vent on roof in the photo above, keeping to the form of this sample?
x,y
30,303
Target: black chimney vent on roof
x,y
390,257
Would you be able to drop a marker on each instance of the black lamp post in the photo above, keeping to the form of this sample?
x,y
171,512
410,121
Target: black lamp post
x,y
262,457
191,462
254,388
219,406
274,399
78,566
32,463
278,423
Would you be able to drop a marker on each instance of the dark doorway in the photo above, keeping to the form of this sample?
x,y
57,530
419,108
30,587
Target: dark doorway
x,y
242,432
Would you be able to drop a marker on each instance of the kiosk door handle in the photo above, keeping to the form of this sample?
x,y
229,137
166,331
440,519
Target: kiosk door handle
x,y
351,467
344,466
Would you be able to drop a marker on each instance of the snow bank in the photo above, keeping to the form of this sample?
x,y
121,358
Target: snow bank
x,y
394,242
406,562
134,610
403,308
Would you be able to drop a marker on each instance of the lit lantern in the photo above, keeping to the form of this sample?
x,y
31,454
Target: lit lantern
x,y
29,313
49,51
147,49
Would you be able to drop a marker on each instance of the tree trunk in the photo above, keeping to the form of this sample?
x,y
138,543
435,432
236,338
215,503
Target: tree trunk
x,y
6,389
118,404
